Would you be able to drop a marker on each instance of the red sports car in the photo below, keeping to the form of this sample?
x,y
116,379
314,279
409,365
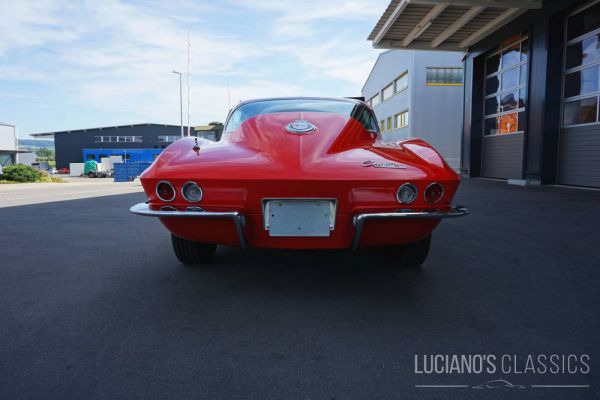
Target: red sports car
x,y
300,173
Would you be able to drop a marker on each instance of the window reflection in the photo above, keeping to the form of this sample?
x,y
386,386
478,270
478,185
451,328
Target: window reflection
x,y
522,97
510,79
580,111
581,82
584,52
492,84
509,101
492,105
582,68
506,88
511,56
492,64
583,22
523,75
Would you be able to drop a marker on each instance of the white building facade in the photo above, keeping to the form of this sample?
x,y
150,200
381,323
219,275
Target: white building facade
x,y
9,147
419,94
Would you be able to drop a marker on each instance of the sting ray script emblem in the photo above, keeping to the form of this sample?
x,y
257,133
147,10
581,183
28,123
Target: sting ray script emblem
x,y
383,164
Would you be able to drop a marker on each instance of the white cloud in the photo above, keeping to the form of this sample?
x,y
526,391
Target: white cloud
x,y
30,24
117,57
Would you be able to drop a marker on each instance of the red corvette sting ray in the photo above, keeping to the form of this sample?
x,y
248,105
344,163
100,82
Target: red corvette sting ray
x,y
300,173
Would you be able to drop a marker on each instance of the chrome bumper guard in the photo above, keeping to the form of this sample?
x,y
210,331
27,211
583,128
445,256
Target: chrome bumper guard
x,y
360,219
195,212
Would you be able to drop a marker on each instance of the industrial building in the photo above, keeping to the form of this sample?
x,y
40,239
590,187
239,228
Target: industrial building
x,y
9,147
134,143
419,94
532,72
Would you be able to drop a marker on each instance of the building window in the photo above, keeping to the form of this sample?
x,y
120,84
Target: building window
x,y
168,138
505,88
401,83
401,120
117,139
581,93
7,159
382,125
388,91
444,76
389,123
374,101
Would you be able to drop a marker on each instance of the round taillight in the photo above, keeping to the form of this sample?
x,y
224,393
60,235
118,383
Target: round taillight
x,y
191,192
165,191
407,193
434,192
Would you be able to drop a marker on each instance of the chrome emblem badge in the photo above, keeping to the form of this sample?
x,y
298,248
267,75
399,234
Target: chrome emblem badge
x,y
300,126
383,164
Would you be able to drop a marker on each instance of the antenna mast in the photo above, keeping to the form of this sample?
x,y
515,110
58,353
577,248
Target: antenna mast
x,y
189,84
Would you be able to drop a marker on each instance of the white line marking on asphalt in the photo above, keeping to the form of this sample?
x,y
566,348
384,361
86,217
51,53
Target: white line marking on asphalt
x,y
560,386
442,386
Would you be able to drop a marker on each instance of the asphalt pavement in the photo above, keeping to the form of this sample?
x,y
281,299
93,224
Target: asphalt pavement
x,y
19,194
94,305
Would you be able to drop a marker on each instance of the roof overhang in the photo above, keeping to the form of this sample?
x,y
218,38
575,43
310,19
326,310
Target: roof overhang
x,y
51,134
12,151
444,24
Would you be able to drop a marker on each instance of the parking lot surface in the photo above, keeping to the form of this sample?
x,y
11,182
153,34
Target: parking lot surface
x,y
73,188
93,304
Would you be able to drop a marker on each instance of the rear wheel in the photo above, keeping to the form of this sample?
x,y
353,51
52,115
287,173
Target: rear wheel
x,y
192,253
411,255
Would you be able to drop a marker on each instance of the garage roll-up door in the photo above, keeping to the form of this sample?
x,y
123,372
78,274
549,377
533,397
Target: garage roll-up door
x,y
505,98
579,144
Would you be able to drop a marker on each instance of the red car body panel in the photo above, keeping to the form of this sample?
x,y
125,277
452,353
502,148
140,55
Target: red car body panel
x,y
262,160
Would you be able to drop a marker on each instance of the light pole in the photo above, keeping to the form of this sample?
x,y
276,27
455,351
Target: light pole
x,y
180,100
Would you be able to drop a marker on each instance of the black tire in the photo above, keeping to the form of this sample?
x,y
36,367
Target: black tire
x,y
90,174
192,253
411,255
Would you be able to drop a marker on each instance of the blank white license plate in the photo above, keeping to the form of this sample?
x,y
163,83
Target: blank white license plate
x,y
299,217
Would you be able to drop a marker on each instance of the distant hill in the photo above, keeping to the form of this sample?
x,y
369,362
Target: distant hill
x,y
36,143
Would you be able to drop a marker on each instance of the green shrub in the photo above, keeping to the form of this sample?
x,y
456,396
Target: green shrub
x,y
45,177
20,173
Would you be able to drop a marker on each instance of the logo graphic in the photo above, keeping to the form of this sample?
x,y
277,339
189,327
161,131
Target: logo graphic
x,y
383,164
527,367
497,384
300,126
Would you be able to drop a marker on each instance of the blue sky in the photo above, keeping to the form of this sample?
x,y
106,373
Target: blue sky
x,y
77,64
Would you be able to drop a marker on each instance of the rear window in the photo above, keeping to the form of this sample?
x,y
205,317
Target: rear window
x,y
345,108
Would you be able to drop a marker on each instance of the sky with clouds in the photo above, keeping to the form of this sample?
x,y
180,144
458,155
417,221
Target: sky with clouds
x,y
78,64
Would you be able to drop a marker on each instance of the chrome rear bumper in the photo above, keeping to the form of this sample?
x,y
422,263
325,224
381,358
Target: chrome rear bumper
x,y
195,212
238,218
360,219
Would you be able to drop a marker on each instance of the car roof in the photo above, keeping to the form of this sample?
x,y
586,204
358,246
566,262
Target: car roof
x,y
346,99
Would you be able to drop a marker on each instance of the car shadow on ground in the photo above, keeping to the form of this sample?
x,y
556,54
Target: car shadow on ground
x,y
363,277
